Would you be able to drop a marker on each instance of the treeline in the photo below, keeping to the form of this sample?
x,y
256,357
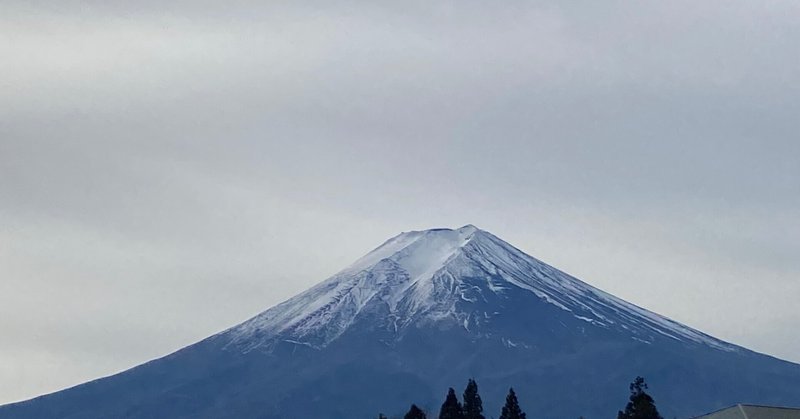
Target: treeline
x,y
640,405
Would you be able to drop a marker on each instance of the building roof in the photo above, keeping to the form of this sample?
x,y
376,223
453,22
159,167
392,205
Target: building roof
x,y
750,411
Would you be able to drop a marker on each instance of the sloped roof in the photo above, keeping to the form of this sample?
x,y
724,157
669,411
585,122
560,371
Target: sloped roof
x,y
749,411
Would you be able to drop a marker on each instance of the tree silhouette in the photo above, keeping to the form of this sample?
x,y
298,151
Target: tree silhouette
x,y
415,413
641,405
451,408
473,406
511,410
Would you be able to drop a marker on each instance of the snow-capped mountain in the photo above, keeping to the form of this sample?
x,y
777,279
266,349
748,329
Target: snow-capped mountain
x,y
445,275
428,310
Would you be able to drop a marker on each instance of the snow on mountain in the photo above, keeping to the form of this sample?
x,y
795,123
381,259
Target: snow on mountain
x,y
419,275
423,312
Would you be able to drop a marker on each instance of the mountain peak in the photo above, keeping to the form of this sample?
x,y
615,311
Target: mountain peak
x,y
463,277
419,253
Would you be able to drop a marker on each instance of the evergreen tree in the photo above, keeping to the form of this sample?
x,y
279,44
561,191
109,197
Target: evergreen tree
x,y
415,413
451,408
641,405
382,416
511,410
473,406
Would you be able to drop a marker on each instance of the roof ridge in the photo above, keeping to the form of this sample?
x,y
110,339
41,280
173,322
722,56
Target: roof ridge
x,y
741,409
768,406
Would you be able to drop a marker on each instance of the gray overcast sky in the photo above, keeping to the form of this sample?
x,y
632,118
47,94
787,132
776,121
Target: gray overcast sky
x,y
167,171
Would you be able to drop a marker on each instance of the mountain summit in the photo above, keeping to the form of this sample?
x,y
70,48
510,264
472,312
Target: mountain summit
x,y
425,311
454,278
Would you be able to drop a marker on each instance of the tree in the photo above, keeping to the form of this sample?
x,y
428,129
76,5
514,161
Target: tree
x,y
415,413
641,405
473,406
511,410
382,416
451,408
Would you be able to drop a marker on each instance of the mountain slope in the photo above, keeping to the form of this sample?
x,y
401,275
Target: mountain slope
x,y
425,275
424,311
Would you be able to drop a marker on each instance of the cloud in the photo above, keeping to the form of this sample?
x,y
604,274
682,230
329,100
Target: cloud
x,y
169,170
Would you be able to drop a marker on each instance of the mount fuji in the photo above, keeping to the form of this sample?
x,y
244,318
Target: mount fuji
x,y
423,312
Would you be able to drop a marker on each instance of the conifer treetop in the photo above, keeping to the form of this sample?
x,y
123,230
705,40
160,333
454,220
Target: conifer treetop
x,y
473,405
415,413
451,408
511,410
641,404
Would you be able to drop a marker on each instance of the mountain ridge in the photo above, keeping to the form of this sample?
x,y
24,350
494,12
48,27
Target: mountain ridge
x,y
409,263
422,312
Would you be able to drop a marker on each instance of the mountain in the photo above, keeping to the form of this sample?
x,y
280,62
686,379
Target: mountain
x,y
423,312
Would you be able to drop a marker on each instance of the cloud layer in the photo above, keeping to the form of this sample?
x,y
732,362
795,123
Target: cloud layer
x,y
167,171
